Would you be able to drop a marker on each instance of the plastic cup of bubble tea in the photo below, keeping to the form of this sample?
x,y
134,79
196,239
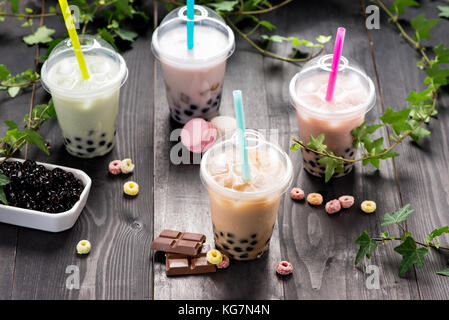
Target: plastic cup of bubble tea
x,y
353,97
193,77
86,109
244,212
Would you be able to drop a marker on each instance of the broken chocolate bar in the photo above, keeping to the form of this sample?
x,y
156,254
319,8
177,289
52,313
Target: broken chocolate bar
x,y
178,242
177,264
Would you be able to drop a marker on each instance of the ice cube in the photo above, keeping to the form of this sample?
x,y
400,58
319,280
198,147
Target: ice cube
x,y
65,67
99,67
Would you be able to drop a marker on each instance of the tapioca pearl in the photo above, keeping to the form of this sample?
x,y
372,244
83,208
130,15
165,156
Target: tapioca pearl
x,y
115,132
254,235
230,235
249,249
91,132
109,145
244,256
193,107
312,163
184,98
177,111
103,134
216,235
91,150
347,150
188,113
244,241
215,104
209,102
230,241
205,110
68,141
79,147
351,154
238,249
78,139
177,118
90,142
225,246
221,234
254,242
102,143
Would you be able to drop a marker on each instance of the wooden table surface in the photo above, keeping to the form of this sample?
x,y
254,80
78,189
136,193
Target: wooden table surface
x,y
321,248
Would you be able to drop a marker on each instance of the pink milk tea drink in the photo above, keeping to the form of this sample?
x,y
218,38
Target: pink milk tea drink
x,y
354,96
193,78
244,212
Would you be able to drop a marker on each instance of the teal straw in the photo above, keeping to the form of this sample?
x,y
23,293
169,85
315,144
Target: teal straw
x,y
190,23
240,117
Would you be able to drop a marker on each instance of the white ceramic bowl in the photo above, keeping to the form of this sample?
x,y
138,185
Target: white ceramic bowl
x,y
52,222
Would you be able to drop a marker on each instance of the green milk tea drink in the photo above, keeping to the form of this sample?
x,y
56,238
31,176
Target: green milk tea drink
x,y
86,109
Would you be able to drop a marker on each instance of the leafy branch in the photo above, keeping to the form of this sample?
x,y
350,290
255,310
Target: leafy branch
x,y
407,248
406,122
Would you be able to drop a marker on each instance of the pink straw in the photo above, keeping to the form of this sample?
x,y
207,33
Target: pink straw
x,y
338,48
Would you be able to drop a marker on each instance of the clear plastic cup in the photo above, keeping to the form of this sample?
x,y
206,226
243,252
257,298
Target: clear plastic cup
x,y
86,109
244,214
193,78
354,96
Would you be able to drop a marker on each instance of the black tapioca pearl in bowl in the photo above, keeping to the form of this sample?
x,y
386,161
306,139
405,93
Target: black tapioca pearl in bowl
x,y
102,143
221,234
215,104
230,235
193,107
249,249
90,142
312,163
243,256
109,145
188,113
253,243
244,241
205,110
254,235
238,249
68,141
104,134
347,150
216,235
351,154
78,139
230,241
90,149
80,147
225,246
209,101
177,118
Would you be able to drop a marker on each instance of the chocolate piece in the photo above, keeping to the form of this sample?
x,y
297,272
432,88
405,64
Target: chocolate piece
x,y
178,264
178,242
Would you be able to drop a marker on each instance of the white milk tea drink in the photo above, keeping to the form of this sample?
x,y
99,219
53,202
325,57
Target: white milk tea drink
x,y
193,78
244,212
354,96
86,109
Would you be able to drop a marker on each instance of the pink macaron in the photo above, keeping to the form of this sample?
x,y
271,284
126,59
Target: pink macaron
x,y
198,135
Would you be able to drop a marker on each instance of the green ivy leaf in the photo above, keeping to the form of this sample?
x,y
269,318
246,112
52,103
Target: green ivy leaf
x,y
323,39
361,132
317,143
436,233
397,216
441,53
295,147
14,6
444,272
4,180
444,11
331,165
410,255
419,132
397,119
224,6
35,138
436,75
422,26
274,38
11,124
3,196
41,35
367,247
398,5
123,7
13,91
126,35
267,25
106,35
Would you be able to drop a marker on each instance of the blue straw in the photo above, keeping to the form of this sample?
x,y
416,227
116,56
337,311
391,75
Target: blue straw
x,y
190,23
240,117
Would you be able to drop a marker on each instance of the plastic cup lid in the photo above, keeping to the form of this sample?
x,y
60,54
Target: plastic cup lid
x,y
91,46
323,65
198,135
207,49
255,141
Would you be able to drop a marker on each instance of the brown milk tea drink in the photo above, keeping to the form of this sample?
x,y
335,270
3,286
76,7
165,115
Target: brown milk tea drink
x,y
244,212
353,97
86,109
193,78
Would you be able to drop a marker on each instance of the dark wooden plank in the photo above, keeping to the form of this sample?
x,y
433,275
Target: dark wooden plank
x,y
321,247
181,202
17,57
119,228
422,170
